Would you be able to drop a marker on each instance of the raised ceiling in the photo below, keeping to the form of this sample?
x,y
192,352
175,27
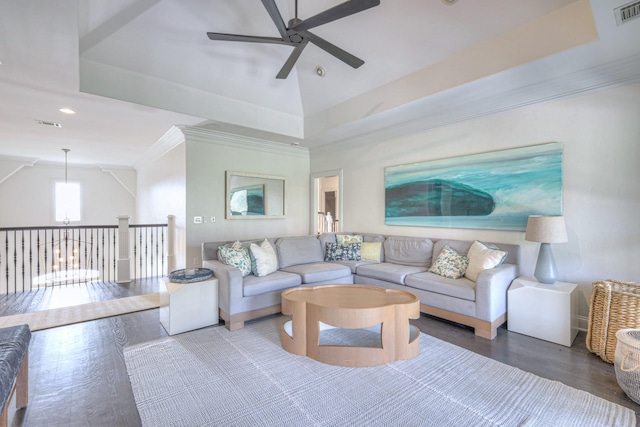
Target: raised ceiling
x,y
133,68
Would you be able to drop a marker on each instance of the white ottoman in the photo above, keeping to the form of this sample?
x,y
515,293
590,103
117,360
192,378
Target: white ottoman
x,y
188,306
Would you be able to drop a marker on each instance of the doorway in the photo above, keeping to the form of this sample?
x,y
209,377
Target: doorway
x,y
327,202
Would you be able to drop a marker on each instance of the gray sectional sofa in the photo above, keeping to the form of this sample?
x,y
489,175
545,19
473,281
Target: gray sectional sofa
x,y
403,264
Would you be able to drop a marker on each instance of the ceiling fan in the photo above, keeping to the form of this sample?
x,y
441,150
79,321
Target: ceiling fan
x,y
297,35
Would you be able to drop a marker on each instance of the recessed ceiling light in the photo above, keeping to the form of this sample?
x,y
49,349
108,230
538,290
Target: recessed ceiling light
x,y
320,71
67,111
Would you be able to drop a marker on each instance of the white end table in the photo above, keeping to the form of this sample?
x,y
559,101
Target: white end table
x,y
548,312
188,306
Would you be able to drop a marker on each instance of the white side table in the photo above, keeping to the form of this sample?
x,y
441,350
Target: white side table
x,y
188,306
548,312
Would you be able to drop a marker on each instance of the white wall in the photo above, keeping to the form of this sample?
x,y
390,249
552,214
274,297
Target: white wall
x,y
162,192
186,178
26,193
601,179
209,154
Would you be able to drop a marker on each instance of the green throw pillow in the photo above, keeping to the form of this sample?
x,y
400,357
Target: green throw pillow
x,y
236,256
449,264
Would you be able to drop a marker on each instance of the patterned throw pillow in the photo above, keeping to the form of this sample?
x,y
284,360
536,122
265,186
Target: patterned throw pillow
x,y
348,239
482,257
336,252
263,259
449,264
236,256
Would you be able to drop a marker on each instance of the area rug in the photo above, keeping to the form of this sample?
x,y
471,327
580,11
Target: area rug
x,y
45,319
213,377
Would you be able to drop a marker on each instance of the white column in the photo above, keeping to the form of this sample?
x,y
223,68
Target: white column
x,y
123,265
171,243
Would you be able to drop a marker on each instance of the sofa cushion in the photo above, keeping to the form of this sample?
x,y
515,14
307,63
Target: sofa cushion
x,y
298,250
389,272
320,272
264,260
277,281
353,265
338,252
236,256
408,251
449,264
461,288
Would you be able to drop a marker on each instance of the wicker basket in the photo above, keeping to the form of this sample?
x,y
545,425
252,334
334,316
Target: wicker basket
x,y
614,305
627,362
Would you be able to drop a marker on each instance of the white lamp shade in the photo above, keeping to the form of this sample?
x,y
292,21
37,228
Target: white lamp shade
x,y
546,229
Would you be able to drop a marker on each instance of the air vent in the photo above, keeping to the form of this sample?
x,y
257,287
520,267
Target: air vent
x,y
43,122
627,12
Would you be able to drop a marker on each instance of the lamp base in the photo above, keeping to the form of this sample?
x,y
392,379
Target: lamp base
x,y
546,265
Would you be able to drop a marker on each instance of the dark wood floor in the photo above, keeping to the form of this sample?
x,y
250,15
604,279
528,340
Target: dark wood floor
x,y
78,376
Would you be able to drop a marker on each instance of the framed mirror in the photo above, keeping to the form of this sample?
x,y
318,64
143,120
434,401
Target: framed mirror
x,y
254,196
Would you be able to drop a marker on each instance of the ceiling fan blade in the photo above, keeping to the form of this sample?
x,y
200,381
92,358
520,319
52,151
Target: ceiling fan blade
x,y
288,65
250,39
337,12
334,50
276,17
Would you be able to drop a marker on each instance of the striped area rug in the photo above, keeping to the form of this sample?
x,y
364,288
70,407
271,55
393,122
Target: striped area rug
x,y
45,319
244,378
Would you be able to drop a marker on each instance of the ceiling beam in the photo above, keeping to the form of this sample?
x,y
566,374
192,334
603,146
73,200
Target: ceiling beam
x,y
115,23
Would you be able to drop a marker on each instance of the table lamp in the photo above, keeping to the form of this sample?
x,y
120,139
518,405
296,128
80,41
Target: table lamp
x,y
546,229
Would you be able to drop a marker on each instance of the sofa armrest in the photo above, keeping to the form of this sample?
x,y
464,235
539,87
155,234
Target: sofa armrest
x,y
491,291
230,283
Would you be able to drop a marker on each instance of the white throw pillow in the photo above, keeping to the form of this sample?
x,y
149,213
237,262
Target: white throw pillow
x,y
481,258
263,259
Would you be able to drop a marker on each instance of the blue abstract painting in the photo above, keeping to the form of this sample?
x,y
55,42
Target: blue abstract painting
x,y
496,190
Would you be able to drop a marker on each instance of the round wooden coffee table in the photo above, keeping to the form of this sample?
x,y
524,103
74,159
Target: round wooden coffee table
x,y
315,308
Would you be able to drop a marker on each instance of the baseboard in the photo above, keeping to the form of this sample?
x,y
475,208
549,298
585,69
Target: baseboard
x,y
583,323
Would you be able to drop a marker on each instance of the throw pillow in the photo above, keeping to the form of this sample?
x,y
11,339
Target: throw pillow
x,y
348,239
236,256
482,257
336,252
449,264
370,251
263,259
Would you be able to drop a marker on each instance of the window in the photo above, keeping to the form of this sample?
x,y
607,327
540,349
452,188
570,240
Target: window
x,y
67,200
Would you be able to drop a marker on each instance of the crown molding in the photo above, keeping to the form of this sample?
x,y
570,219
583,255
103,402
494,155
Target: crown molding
x,y
215,137
171,139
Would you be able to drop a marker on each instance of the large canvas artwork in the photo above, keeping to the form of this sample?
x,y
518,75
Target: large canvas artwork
x,y
496,190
